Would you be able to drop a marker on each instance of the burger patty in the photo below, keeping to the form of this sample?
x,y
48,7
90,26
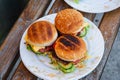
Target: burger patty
x,y
59,60
53,54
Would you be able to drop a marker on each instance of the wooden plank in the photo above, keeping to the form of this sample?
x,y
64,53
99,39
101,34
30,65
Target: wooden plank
x,y
50,6
23,74
21,67
9,48
112,67
109,28
57,6
14,68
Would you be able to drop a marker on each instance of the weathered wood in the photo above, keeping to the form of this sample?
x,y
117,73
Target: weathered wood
x,y
50,6
112,67
10,47
109,28
23,74
58,5
14,68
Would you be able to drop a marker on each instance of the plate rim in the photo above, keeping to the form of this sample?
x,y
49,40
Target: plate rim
x,y
91,11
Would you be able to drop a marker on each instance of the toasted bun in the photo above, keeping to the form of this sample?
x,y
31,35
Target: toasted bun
x,y
69,21
41,33
70,48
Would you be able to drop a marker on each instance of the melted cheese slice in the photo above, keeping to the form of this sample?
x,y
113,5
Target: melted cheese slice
x,y
85,24
35,48
82,26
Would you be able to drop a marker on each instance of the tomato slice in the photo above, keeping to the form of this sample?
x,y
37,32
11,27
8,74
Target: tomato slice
x,y
77,61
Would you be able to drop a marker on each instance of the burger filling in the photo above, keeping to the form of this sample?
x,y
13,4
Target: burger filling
x,y
84,31
65,66
39,50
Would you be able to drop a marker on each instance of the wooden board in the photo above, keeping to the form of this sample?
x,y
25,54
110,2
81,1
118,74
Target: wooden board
x,y
23,74
109,28
112,67
10,47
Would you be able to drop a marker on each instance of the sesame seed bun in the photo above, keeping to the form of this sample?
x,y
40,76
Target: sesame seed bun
x,y
70,48
41,33
69,21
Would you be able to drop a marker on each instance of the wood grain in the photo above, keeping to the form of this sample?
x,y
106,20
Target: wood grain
x,y
23,74
109,28
112,67
9,48
57,6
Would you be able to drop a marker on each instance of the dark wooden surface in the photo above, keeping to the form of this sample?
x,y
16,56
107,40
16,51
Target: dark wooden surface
x,y
10,46
35,9
23,74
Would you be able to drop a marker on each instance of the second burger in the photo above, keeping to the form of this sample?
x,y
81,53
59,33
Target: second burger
x,y
70,21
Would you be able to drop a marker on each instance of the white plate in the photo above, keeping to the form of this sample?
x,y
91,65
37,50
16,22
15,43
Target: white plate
x,y
39,65
94,6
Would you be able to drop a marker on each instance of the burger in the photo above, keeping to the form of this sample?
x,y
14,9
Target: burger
x,y
69,52
40,36
70,21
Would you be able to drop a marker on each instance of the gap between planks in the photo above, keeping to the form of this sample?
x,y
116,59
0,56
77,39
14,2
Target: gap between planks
x,y
98,18
14,69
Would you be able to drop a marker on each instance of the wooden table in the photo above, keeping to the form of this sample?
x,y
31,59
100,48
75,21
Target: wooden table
x,y
11,66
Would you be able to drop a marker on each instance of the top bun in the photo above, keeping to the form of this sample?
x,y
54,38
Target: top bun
x,y
69,21
41,33
70,48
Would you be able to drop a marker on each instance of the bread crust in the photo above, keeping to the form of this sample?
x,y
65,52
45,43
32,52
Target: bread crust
x,y
70,48
69,21
41,33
